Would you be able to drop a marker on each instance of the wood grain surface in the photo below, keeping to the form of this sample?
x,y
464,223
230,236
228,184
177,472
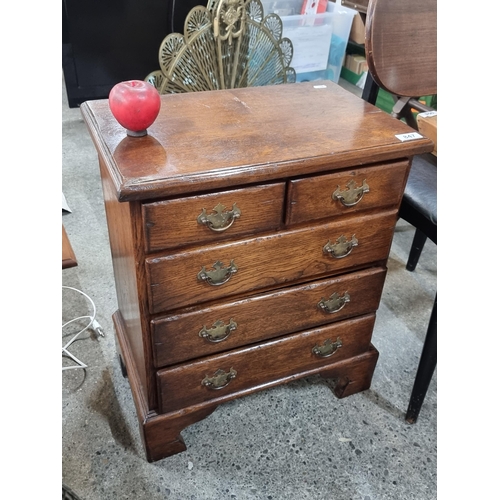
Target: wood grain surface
x,y
310,198
68,255
217,139
174,223
267,261
262,364
176,338
401,46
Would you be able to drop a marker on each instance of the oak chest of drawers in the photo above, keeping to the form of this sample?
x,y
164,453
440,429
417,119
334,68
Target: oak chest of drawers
x,y
249,232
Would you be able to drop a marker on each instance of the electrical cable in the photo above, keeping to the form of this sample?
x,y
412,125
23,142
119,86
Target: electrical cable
x,y
93,324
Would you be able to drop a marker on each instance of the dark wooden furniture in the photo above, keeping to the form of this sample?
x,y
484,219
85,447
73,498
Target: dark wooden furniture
x,y
68,255
106,42
249,233
401,49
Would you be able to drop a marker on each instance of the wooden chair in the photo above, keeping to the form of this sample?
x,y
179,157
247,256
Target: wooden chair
x,y
401,51
227,44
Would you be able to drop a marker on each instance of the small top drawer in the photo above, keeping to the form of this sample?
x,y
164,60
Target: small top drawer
x,y
343,192
212,217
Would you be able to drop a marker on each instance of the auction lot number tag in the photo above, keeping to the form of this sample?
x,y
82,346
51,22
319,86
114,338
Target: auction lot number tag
x,y
409,137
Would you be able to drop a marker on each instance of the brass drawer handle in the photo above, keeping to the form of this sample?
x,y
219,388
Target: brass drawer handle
x,y
219,380
341,248
335,303
219,220
328,348
219,275
353,195
219,331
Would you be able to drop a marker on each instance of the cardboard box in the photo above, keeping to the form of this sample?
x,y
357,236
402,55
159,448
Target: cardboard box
x,y
357,34
427,125
356,63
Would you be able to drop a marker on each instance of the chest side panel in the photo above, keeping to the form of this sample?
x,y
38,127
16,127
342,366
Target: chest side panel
x,y
128,265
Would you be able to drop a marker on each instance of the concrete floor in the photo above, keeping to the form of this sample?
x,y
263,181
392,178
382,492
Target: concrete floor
x,y
294,442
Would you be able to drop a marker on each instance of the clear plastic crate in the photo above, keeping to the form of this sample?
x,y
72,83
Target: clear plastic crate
x,y
319,41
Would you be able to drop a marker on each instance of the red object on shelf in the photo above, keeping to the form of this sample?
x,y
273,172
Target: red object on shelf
x,y
314,7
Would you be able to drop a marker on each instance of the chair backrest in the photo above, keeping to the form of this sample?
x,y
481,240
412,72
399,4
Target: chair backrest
x,y
227,44
401,46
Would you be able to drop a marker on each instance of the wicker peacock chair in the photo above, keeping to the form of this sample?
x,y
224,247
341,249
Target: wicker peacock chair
x,y
227,44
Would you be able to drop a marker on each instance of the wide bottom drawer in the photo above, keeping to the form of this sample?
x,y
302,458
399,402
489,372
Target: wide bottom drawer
x,y
256,366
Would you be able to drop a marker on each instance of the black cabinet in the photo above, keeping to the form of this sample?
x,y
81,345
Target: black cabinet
x,y
108,41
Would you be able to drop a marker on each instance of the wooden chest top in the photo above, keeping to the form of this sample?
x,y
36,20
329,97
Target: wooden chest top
x,y
209,140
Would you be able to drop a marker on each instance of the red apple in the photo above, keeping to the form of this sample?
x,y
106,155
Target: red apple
x,y
135,104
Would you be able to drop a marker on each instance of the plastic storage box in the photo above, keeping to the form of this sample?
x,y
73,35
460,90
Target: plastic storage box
x,y
319,40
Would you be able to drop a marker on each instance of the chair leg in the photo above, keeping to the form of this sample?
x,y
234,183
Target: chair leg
x,y
370,90
426,367
416,249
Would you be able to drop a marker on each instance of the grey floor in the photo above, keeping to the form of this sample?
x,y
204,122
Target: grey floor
x,y
292,442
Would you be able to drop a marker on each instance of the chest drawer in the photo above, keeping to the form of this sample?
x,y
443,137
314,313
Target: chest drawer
x,y
260,366
345,192
181,279
212,217
229,325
